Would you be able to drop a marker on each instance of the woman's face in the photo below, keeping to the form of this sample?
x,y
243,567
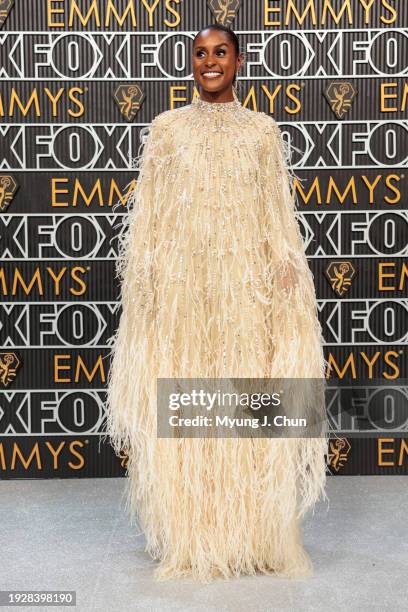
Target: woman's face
x,y
214,61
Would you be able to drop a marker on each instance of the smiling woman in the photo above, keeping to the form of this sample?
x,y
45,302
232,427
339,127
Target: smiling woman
x,y
216,284
216,60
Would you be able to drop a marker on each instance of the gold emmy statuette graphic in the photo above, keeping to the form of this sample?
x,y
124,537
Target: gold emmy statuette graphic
x,y
8,188
340,274
124,458
129,98
224,11
5,8
340,96
9,364
339,450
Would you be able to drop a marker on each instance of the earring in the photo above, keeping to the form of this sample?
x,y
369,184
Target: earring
x,y
235,85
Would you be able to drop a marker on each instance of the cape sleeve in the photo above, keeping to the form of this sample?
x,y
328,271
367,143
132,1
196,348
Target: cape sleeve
x,y
134,269
298,340
136,240
293,292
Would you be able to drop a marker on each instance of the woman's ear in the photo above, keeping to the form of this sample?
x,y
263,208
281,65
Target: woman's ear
x,y
240,61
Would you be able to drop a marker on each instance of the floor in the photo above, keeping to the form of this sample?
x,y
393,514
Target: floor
x,y
74,534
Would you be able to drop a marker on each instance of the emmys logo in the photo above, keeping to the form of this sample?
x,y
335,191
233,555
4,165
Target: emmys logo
x,y
224,11
340,96
340,275
338,453
124,458
9,363
5,8
8,188
129,99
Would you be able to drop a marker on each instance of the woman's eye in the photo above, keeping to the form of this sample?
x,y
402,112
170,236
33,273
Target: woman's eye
x,y
198,54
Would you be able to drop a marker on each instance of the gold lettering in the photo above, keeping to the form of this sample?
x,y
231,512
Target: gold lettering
x,y
271,96
14,99
35,452
2,457
61,365
80,465
309,8
4,289
71,94
58,366
382,451
371,186
251,96
289,92
97,189
36,278
393,12
402,276
269,10
172,10
383,275
150,10
298,106
93,10
54,191
94,196
79,280
341,197
342,370
369,362
33,102
327,8
54,99
173,98
56,278
54,11
385,96
349,363
315,187
394,366
393,95
55,452
366,7
111,8
81,367
393,188
403,450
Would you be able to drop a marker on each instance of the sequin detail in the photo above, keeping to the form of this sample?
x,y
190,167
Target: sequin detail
x,y
214,283
216,107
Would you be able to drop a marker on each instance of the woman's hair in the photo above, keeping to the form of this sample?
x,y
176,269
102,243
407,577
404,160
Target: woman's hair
x,y
231,35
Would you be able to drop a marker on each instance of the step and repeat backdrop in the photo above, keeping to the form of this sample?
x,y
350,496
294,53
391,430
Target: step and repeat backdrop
x,y
79,80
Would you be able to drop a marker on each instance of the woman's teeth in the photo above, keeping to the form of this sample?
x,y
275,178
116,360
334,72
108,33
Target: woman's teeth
x,y
211,75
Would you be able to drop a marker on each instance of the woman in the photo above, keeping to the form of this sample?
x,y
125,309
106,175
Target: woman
x,y
215,283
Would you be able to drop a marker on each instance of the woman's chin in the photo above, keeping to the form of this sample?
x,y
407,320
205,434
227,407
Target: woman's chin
x,y
211,88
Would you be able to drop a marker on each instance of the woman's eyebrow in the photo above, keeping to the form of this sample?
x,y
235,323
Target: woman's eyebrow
x,y
220,45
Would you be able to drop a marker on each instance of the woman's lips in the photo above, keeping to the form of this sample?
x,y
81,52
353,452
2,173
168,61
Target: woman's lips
x,y
211,75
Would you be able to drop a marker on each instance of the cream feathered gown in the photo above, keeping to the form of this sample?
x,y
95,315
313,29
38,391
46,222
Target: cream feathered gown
x,y
214,283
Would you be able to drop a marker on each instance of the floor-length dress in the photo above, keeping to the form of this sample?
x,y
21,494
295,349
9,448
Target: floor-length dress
x,y
215,283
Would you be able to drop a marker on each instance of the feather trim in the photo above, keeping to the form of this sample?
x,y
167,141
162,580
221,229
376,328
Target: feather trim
x,y
214,283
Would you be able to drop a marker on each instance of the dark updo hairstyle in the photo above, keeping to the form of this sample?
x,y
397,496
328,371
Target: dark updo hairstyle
x,y
231,35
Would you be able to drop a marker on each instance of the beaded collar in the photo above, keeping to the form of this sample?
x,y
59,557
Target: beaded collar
x,y
216,107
